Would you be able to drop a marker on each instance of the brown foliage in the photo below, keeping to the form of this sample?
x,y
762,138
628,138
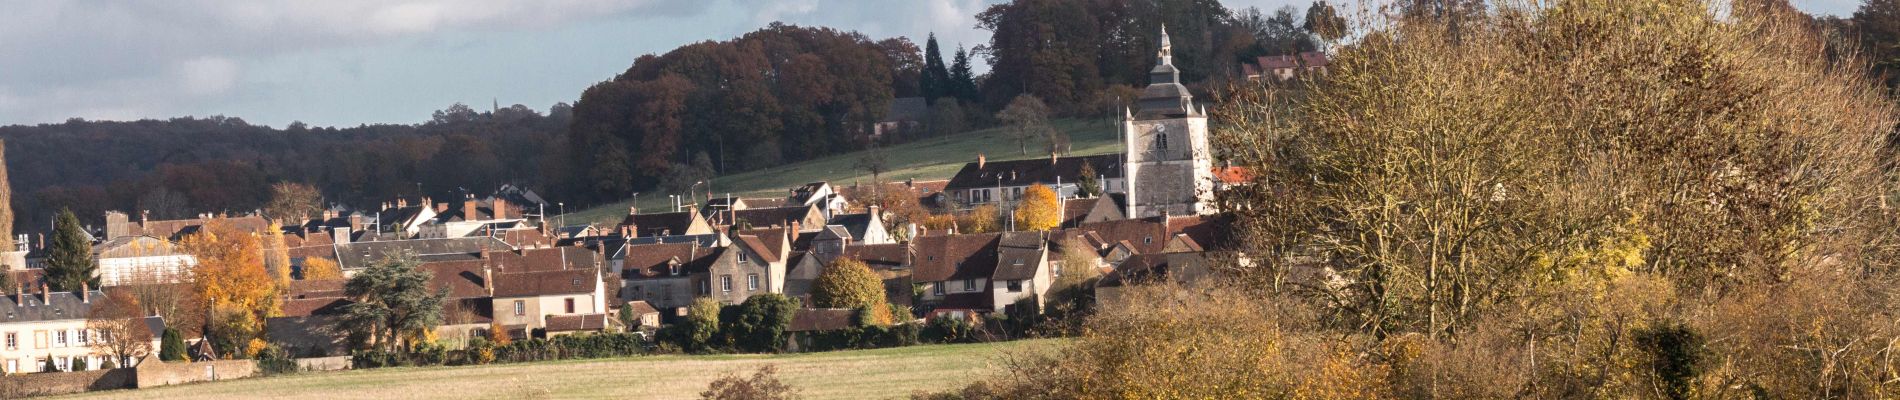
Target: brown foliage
x,y
763,385
119,323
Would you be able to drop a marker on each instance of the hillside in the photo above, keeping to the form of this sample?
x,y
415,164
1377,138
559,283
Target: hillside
x,y
861,374
934,158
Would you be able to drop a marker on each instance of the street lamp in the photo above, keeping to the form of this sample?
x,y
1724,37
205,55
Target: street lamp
x,y
692,197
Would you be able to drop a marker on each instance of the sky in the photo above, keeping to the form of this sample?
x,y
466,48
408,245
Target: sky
x,y
350,62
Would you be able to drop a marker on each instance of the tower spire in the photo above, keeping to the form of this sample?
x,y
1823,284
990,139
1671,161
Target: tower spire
x,y
1165,56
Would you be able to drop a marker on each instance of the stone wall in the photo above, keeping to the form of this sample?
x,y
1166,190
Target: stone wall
x,y
57,383
323,363
154,374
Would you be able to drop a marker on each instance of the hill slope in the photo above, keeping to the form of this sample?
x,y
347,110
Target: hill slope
x,y
934,158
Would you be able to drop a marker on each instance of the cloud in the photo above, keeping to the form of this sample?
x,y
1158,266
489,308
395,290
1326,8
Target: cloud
x,y
114,58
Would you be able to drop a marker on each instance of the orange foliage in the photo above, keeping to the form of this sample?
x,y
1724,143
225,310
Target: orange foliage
x,y
230,271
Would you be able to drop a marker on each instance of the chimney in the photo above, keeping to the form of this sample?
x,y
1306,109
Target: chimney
x,y
501,208
441,208
468,209
488,275
402,202
979,160
1053,158
85,292
46,294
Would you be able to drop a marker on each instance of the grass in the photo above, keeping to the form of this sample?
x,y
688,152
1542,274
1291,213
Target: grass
x,y
859,374
928,159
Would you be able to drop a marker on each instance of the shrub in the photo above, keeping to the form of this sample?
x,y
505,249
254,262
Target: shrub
x,y
758,325
763,385
172,348
948,330
275,360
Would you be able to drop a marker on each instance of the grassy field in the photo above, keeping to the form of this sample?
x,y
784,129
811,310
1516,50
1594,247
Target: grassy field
x,y
935,158
863,374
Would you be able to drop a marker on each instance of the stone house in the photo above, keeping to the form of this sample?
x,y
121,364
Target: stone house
x,y
524,302
1002,182
52,325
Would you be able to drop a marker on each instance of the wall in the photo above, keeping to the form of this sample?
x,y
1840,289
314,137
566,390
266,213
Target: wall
x,y
27,385
155,374
337,363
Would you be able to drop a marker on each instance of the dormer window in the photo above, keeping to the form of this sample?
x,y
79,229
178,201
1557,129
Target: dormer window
x,y
673,268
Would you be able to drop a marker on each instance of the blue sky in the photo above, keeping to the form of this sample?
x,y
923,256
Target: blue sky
x,y
349,62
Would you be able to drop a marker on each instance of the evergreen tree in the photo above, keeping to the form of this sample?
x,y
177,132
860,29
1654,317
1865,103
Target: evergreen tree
x,y
758,325
962,81
49,366
172,348
935,81
1086,184
393,302
69,264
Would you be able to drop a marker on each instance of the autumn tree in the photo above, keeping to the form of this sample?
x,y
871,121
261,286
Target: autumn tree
x,y
69,263
1324,22
231,283
119,323
1027,118
696,332
276,255
319,268
981,219
1039,209
1877,23
849,283
393,304
293,202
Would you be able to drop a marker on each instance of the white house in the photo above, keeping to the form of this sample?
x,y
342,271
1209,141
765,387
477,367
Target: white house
x,y
140,259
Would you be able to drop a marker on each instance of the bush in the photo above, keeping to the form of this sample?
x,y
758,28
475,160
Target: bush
x,y
172,348
275,360
763,385
948,330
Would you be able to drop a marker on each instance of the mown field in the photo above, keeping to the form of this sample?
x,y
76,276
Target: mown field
x,y
934,158
861,374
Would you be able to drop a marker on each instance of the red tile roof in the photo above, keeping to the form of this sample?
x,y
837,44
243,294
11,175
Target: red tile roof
x,y
653,260
953,257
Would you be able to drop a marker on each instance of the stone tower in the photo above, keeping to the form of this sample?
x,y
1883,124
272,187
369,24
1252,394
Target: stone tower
x,y
1169,167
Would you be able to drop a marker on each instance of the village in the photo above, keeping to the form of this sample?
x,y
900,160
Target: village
x,y
1002,241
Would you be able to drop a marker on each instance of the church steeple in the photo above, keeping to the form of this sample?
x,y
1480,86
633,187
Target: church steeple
x,y
1165,96
1166,55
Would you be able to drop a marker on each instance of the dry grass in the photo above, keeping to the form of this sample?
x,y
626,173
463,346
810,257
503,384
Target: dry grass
x,y
882,373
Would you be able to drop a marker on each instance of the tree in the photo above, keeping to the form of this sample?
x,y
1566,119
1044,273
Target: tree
x,y
1087,185
293,202
1324,22
6,203
758,324
875,162
763,385
1877,22
7,286
172,347
119,323
695,333
982,219
1027,118
164,203
231,283
69,264
1039,209
962,82
393,304
947,117
849,283
276,255
935,81
49,365
319,268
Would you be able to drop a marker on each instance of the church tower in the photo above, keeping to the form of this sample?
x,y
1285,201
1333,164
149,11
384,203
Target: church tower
x,y
1169,166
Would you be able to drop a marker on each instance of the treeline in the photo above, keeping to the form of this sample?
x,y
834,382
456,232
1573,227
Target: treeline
x,y
183,166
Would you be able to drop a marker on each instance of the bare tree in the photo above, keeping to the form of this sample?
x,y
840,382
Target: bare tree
x,y
119,323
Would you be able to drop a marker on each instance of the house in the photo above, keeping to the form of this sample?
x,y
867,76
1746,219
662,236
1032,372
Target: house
x,y
355,256
1076,212
688,222
892,263
1003,182
472,217
1022,271
1179,267
954,272
1285,67
745,268
52,325
661,275
526,301
119,225
644,315
903,114
816,194
865,228
140,259
804,218
404,220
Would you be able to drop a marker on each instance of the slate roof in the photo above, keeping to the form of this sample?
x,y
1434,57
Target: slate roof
x,y
360,255
179,228
856,224
773,216
308,288
519,196
577,322
545,283
1018,255
463,279
58,306
753,244
1032,171
955,257
653,260
660,224
315,306
544,259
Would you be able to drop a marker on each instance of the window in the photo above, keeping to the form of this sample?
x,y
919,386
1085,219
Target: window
x,y
59,338
1015,285
743,258
79,337
61,364
725,283
752,282
570,305
674,268
13,365
937,289
1161,139
969,285
13,342
521,308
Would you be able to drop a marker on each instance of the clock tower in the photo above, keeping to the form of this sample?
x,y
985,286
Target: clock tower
x,y
1169,166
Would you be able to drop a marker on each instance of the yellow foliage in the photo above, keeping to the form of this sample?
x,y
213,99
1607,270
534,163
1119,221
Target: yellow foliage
x,y
498,334
1039,209
982,219
254,347
230,270
321,268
